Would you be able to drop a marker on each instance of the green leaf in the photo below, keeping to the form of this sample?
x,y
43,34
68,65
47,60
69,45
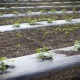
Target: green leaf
x,y
3,58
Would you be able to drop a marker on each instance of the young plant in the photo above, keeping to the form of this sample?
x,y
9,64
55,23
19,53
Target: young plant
x,y
43,11
18,35
50,20
66,32
74,10
16,25
18,45
3,66
30,11
58,29
32,22
69,19
53,10
43,53
77,45
1,13
15,12
63,10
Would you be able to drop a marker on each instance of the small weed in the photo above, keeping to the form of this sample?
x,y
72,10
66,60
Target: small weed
x,y
32,22
58,29
18,34
66,32
18,45
46,32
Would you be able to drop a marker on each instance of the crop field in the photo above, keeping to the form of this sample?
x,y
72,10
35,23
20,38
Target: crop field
x,y
28,25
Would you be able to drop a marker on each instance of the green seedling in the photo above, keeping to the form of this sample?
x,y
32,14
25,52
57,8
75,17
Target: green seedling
x,y
49,20
67,32
30,11
63,10
18,45
43,53
69,19
43,11
16,25
77,45
53,10
1,13
15,12
74,10
3,51
3,65
32,22
18,35
58,29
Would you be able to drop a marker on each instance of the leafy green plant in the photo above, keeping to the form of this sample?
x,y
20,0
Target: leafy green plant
x,y
53,10
43,53
18,34
66,32
1,13
63,10
43,11
50,20
15,12
46,32
3,50
74,10
32,22
58,29
69,19
16,25
30,11
77,45
18,45
3,66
